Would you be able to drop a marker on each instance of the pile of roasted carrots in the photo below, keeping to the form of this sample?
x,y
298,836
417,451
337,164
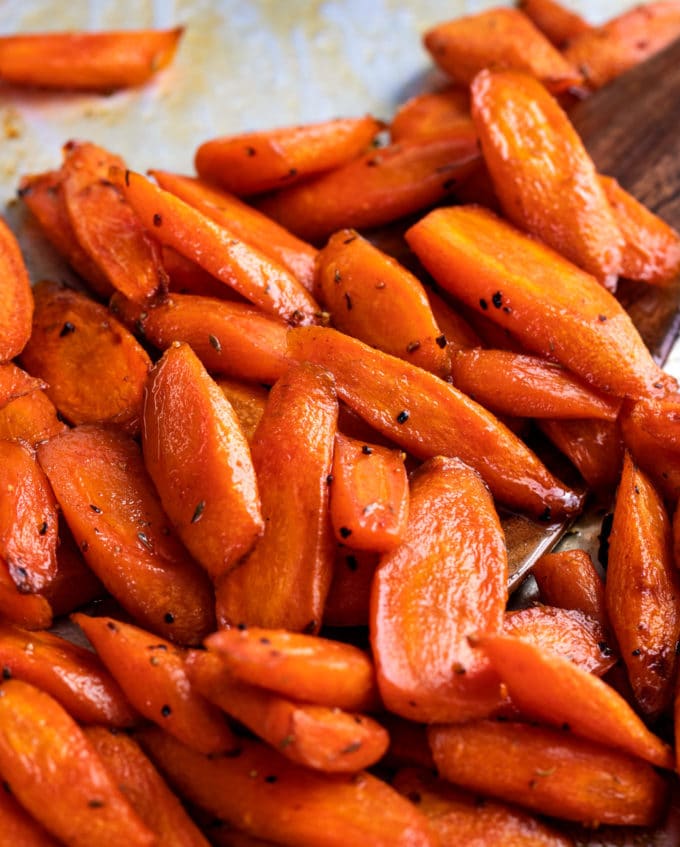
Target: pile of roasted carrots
x,y
264,444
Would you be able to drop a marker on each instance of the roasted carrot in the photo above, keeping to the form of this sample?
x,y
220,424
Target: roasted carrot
x,y
19,827
144,787
593,446
56,774
186,277
284,580
31,611
428,417
15,382
86,61
645,621
247,400
113,511
304,667
372,297
509,383
263,794
458,333
217,250
369,494
443,584
245,222
376,188
74,584
542,174
434,114
568,579
320,737
261,161
349,596
150,670
200,462
498,38
648,430
552,307
558,23
94,368
550,771
31,418
16,300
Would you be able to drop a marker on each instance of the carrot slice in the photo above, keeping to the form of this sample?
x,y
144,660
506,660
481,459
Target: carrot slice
x,y
542,173
554,20
150,670
499,38
369,494
16,299
31,418
284,580
603,53
86,61
144,787
434,114
228,338
375,299
56,774
526,386
319,737
94,367
261,161
31,611
14,383
568,579
552,307
245,222
646,621
301,667
267,796
186,277
593,446
200,462
110,505
248,402
550,771
217,250
19,828
648,430
458,333
349,596
428,417
548,688
74,584
376,188
445,582
28,519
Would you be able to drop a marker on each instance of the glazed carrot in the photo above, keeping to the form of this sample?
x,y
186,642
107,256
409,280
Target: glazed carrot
x,y
43,194
150,670
445,582
302,667
56,774
542,173
200,462
568,579
569,633
245,222
348,598
15,382
261,161
646,622
320,737
428,417
105,226
527,386
434,114
458,333
266,796
550,771
28,519
651,248
552,307
409,746
373,298
284,580
593,446
74,584
18,827
144,787
555,691
376,188
68,672
217,250
603,53
554,20
228,338
186,277
648,430
16,300
459,817
113,511
248,402
498,38
94,368
369,495
31,418
31,611
86,61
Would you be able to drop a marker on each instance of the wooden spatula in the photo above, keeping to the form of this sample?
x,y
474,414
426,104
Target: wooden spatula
x,y
632,130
